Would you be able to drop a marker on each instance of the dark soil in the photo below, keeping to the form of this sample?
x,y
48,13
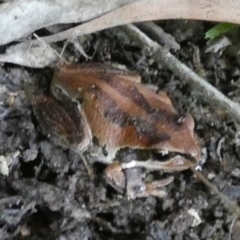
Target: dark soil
x,y
48,194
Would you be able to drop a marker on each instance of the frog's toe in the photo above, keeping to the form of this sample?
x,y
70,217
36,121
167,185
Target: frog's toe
x,y
136,188
154,188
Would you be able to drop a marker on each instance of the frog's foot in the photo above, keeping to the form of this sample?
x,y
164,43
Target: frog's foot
x,y
131,182
153,188
136,188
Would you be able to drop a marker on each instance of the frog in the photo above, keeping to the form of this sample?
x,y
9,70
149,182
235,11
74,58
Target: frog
x,y
105,114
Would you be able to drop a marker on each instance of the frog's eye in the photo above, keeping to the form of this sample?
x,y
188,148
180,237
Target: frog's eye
x,y
161,155
104,151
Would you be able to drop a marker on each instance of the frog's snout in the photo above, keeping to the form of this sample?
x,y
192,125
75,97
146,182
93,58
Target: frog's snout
x,y
196,153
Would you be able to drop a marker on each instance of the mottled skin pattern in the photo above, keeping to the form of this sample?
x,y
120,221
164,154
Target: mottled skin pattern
x,y
120,112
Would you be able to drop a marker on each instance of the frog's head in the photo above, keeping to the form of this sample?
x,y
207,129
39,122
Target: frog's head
x,y
181,138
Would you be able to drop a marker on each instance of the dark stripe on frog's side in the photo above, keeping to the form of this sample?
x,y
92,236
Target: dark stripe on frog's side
x,y
146,130
132,93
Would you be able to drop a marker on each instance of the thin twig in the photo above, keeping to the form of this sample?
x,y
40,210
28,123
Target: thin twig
x,y
64,47
158,34
87,166
49,47
219,148
231,205
231,228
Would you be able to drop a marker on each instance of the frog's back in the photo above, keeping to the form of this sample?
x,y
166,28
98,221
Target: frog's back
x,y
120,112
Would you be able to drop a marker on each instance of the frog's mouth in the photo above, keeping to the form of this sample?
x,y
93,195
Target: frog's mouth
x,y
171,161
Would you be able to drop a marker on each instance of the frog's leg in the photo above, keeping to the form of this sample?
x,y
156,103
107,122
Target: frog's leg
x,y
129,176
67,131
131,181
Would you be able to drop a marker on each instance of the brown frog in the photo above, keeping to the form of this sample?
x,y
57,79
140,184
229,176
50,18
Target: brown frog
x,y
105,114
